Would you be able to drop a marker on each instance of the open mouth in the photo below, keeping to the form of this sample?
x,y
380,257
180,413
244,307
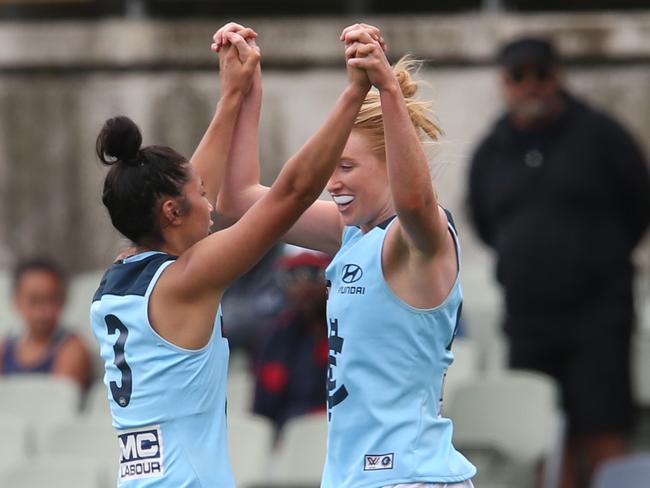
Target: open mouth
x,y
343,201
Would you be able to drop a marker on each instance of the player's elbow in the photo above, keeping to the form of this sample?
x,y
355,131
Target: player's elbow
x,y
416,204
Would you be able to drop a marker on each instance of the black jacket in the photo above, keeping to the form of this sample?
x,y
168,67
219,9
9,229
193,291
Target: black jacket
x,y
563,208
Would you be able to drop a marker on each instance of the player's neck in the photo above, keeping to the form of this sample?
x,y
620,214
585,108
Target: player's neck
x,y
166,247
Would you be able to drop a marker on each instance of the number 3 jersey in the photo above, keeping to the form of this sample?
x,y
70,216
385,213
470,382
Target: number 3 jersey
x,y
387,361
168,403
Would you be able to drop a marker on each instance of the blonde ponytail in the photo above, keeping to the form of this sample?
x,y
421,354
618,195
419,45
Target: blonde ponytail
x,y
370,118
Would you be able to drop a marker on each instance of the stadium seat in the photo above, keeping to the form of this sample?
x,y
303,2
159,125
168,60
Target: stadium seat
x,y
300,456
10,322
628,471
249,444
465,366
96,404
16,443
241,387
86,437
53,473
507,424
41,400
482,309
39,397
91,439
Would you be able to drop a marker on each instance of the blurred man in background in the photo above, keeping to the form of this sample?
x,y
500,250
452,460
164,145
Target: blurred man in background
x,y
44,346
561,192
292,365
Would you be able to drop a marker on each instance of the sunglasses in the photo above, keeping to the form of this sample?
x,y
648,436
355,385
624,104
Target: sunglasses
x,y
519,73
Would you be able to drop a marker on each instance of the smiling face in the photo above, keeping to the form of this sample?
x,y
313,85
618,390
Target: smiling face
x,y
359,185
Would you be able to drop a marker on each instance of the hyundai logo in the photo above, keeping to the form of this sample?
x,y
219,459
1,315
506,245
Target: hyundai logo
x,y
351,273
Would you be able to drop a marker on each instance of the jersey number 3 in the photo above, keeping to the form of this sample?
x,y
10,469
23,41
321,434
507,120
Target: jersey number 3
x,y
121,394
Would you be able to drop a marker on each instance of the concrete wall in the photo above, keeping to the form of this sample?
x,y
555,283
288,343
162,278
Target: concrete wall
x,y
60,81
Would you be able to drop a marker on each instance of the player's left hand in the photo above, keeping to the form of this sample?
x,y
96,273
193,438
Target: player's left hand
x,y
365,50
374,32
238,63
220,38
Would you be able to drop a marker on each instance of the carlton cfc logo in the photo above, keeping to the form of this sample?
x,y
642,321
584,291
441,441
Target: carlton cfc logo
x,y
351,273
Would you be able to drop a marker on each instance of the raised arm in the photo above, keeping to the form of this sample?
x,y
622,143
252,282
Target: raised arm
x,y
422,223
236,76
239,189
216,261
320,226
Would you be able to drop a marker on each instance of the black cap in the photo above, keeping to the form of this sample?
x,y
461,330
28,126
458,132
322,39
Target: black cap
x,y
527,51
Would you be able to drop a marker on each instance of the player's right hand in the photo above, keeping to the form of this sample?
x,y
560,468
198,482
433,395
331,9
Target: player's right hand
x,y
367,52
220,38
356,46
238,62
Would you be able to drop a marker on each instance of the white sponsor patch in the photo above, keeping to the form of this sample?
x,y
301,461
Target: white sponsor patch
x,y
375,462
142,453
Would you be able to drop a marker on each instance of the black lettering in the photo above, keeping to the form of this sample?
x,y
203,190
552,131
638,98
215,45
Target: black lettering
x,y
337,397
352,290
335,346
121,394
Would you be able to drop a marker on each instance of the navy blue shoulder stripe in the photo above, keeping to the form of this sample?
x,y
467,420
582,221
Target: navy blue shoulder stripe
x,y
131,278
450,218
384,224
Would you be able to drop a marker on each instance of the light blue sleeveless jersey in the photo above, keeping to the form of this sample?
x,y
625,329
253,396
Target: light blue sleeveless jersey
x,y
387,361
168,403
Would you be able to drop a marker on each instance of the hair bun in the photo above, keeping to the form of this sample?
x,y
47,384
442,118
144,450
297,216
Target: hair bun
x,y
406,84
403,70
119,141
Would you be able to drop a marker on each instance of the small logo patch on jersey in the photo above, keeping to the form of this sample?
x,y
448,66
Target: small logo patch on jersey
x,y
351,273
376,462
141,453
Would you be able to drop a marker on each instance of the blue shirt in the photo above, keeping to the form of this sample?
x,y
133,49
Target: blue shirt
x,y
11,364
386,367
168,403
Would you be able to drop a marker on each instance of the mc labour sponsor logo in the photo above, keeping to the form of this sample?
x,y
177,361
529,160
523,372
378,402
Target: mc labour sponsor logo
x,y
141,453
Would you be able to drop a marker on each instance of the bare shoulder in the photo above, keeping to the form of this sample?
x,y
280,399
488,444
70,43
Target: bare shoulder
x,y
399,246
73,345
421,280
181,313
73,361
